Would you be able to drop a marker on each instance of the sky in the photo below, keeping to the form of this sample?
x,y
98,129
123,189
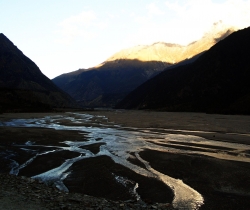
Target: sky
x,y
62,36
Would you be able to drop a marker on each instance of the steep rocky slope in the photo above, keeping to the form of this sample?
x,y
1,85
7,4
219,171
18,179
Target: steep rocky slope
x,y
218,81
23,87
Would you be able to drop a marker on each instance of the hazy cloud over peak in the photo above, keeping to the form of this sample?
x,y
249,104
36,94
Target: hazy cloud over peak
x,y
198,15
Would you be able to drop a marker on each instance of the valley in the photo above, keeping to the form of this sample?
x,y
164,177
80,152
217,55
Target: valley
x,y
106,84
143,130
138,155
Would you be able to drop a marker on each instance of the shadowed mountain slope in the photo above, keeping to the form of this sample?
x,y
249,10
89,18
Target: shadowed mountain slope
x,y
217,82
105,85
23,87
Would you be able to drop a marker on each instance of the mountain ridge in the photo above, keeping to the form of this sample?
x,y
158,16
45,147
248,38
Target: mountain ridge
x,y
22,84
172,52
217,82
142,62
107,84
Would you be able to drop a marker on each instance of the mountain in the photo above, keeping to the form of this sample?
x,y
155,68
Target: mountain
x,y
174,53
106,84
216,82
23,87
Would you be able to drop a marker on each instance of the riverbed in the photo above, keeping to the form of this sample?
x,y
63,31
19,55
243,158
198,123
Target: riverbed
x,y
192,161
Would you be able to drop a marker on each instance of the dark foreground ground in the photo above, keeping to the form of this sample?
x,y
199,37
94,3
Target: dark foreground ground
x,y
224,184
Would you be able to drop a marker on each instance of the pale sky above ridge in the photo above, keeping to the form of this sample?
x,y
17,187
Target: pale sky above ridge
x,y
61,36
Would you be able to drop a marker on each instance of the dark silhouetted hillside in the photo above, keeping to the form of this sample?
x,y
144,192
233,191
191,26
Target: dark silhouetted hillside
x,y
105,85
217,82
23,87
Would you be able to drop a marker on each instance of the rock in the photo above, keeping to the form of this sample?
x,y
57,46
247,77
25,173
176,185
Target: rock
x,y
45,197
164,205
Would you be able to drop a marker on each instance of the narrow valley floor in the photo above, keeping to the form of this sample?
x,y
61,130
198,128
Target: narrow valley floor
x,y
209,153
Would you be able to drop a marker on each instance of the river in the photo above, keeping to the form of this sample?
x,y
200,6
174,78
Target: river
x,y
118,143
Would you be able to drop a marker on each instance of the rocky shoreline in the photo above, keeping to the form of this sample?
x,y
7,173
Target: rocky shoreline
x,y
19,192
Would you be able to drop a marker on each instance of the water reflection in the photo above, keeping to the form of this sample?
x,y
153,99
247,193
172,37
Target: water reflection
x,y
118,143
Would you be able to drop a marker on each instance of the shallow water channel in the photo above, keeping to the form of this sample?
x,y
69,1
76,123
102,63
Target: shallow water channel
x,y
118,143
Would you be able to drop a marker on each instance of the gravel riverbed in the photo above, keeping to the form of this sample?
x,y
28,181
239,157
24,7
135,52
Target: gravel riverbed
x,y
24,193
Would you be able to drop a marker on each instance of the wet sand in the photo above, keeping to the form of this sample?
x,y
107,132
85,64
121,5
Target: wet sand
x,y
93,176
100,173
218,127
224,184
10,136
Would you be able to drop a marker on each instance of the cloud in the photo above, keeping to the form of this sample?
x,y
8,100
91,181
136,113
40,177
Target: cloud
x,y
196,17
153,9
234,12
84,25
182,22
237,13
